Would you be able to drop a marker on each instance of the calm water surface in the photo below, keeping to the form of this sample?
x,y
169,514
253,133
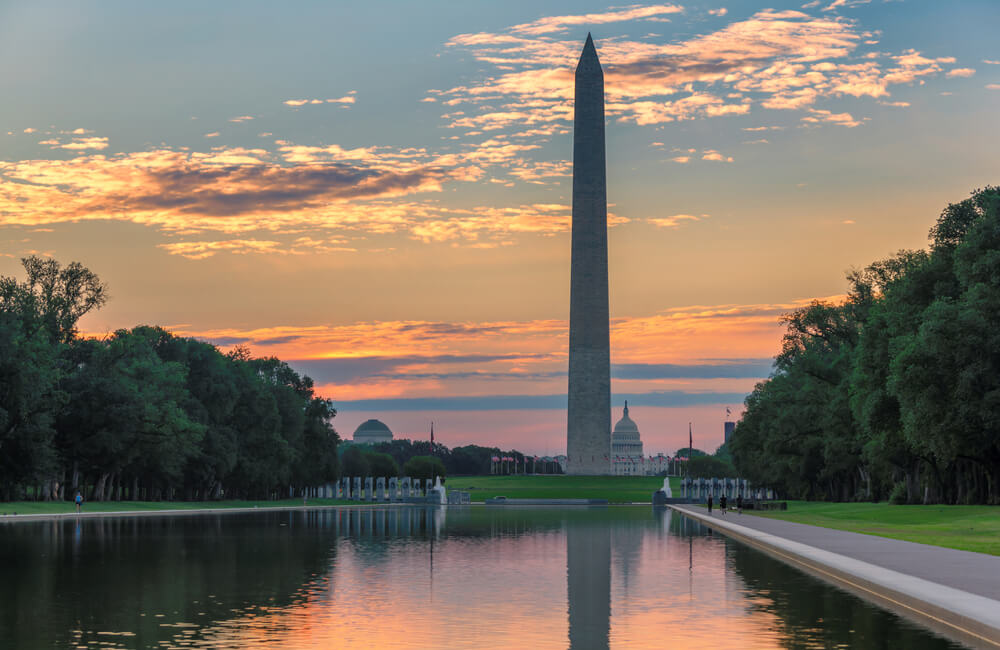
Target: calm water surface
x,y
418,577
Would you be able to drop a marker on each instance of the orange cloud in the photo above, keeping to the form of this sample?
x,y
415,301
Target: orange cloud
x,y
198,250
427,359
229,190
240,191
202,249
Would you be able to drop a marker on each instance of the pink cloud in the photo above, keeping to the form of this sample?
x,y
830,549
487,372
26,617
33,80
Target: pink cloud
x,y
674,221
77,144
960,72
552,24
712,154
780,60
842,119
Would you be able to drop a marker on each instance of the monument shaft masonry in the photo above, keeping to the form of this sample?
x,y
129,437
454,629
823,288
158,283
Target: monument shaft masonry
x,y
588,435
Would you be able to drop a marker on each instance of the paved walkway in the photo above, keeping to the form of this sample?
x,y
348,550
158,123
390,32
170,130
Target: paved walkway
x,y
958,589
976,573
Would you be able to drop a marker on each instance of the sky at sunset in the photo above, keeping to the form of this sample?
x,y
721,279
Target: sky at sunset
x,y
379,192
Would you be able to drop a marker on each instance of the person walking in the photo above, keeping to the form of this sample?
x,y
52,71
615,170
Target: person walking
x,y
722,504
79,501
709,504
739,504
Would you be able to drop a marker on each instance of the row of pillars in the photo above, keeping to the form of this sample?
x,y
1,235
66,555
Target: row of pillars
x,y
376,489
699,489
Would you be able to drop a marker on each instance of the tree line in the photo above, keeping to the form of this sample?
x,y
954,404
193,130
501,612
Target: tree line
x,y
421,459
893,393
142,413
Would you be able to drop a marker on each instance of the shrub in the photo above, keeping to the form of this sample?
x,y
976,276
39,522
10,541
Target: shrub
x,y
898,495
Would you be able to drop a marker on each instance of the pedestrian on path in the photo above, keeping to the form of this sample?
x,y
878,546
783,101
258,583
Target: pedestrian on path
x,y
709,504
739,504
722,504
79,501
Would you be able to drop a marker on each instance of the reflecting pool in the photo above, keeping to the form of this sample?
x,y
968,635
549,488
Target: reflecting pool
x,y
461,577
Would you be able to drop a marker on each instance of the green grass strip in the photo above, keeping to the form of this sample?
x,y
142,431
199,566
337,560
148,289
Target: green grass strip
x,y
967,528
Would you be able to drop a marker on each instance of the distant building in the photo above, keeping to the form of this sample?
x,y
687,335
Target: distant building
x,y
626,447
372,432
727,429
658,464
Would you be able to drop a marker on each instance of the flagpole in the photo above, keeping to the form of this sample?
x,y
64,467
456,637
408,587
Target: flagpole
x,y
690,450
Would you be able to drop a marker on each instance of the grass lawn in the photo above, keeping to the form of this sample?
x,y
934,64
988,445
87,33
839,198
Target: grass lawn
x,y
616,489
56,507
968,528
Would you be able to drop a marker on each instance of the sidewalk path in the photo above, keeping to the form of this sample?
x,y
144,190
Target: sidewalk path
x,y
960,589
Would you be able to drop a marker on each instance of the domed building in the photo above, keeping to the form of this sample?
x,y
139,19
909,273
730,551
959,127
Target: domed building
x,y
372,432
626,447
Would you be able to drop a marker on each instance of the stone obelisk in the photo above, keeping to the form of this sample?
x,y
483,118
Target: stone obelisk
x,y
588,435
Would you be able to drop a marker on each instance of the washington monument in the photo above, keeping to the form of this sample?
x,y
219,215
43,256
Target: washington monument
x,y
588,433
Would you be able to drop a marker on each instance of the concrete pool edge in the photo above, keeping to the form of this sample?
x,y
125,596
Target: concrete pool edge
x,y
970,618
42,516
198,511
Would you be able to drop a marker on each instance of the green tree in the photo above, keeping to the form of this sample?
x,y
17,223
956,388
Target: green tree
x,y
470,460
895,389
381,464
354,462
61,296
37,319
125,415
946,373
424,467
723,453
318,460
29,399
210,400
710,467
263,455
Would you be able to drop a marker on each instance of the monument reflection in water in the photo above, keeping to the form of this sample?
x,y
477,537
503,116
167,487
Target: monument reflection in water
x,y
418,577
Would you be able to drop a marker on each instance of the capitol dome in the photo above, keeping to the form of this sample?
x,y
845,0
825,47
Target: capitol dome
x,y
371,432
626,446
626,429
